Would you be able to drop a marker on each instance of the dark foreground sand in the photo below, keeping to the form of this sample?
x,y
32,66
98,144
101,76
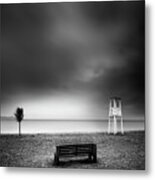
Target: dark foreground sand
x,y
113,152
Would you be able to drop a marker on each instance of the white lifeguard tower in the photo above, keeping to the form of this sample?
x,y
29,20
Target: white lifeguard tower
x,y
115,116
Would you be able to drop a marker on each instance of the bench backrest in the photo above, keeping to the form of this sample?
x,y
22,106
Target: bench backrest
x,y
76,149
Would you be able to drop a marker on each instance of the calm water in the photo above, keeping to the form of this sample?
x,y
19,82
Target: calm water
x,y
63,126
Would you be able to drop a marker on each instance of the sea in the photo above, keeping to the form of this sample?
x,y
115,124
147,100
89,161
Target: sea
x,y
35,126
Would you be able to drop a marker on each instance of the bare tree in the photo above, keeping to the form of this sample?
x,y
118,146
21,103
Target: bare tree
x,y
19,117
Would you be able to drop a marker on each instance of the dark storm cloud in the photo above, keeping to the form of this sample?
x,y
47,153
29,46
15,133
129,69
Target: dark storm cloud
x,y
94,48
27,56
123,71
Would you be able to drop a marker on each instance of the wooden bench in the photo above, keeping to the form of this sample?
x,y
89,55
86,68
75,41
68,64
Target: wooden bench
x,y
75,150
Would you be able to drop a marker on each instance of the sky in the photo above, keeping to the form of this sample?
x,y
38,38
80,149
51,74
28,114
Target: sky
x,y
65,60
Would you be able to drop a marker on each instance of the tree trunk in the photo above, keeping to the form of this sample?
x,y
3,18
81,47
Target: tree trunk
x,y
19,128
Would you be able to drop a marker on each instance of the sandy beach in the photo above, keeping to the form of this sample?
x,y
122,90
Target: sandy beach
x,y
113,151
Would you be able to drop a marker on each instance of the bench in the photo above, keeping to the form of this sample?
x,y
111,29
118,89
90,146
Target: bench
x,y
74,151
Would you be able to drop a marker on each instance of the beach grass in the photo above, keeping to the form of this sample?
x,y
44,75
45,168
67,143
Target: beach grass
x,y
113,151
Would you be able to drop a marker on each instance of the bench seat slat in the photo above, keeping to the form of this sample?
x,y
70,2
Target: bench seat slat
x,y
73,155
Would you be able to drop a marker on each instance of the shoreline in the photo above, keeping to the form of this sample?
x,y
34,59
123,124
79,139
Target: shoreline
x,y
68,133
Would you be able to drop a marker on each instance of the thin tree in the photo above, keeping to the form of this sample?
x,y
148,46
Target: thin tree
x,y
19,117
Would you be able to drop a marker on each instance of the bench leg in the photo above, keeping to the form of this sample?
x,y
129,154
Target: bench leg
x,y
56,159
94,158
90,157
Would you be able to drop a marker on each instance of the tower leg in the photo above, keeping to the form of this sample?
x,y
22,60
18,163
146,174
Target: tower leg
x,y
109,125
122,128
115,125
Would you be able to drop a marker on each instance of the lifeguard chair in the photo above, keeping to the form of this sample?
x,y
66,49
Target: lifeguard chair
x,y
115,116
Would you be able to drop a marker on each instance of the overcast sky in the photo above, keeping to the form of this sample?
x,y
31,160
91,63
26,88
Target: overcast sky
x,y
65,60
